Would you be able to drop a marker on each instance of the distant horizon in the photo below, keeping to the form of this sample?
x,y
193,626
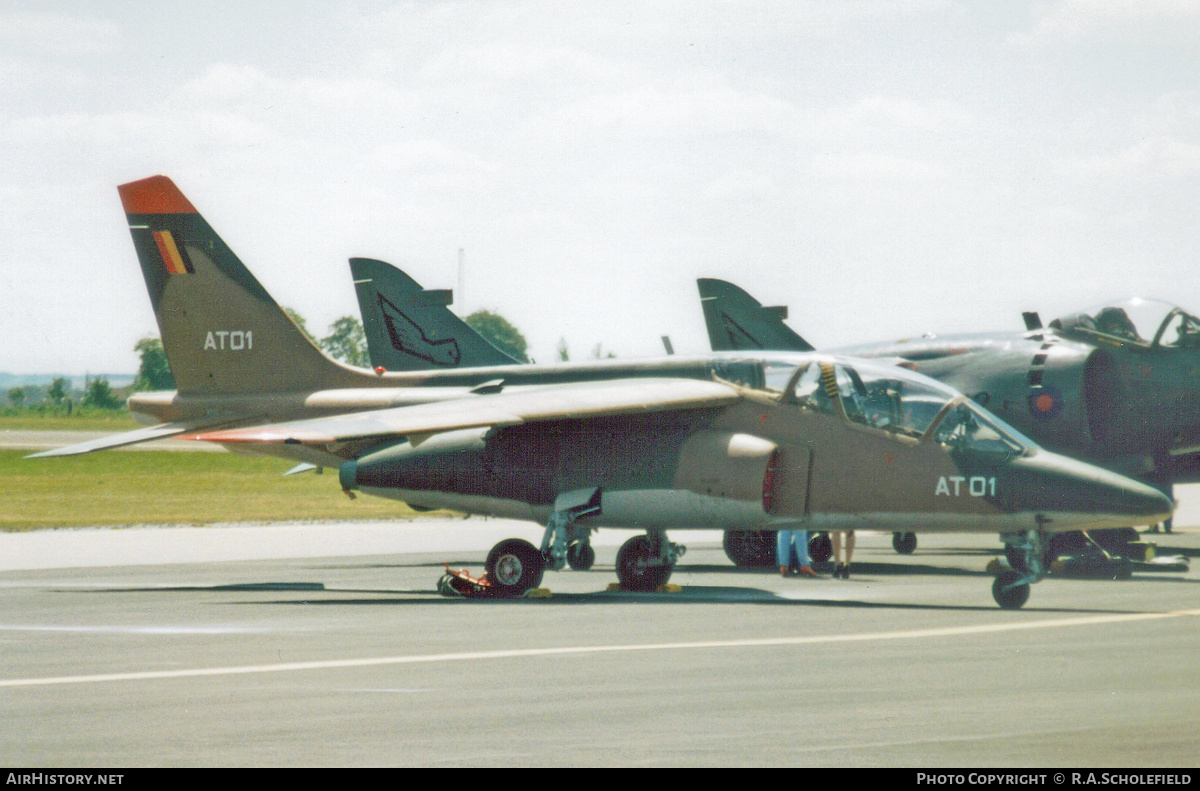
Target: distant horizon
x,y
6,377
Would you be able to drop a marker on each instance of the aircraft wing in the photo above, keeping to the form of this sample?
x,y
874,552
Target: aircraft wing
x,y
552,402
161,431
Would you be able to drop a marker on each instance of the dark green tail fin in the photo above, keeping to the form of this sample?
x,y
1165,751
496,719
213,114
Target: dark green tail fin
x,y
410,329
221,330
737,321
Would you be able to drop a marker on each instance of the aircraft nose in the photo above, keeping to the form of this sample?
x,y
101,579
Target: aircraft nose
x,y
1082,491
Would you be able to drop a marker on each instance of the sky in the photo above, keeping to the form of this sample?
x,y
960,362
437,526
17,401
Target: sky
x,y
885,169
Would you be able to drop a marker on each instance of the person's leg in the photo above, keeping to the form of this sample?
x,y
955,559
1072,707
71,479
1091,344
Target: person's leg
x,y
849,554
783,551
802,557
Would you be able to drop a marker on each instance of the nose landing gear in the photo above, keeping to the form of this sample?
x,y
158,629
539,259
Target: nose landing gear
x,y
1025,552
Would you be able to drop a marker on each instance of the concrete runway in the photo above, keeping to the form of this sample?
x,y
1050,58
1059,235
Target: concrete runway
x,y
326,645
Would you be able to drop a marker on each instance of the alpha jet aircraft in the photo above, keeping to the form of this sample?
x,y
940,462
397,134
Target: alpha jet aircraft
x,y
1116,385
830,444
764,442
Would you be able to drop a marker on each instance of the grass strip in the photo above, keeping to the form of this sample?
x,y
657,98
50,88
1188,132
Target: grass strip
x,y
113,420
127,488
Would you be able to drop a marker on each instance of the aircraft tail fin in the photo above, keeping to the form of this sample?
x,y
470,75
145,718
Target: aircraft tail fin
x,y
737,321
222,332
410,328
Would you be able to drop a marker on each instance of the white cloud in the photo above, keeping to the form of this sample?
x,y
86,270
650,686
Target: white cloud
x,y
58,35
1074,20
160,131
28,76
1156,156
672,110
739,184
424,156
873,111
509,61
879,167
248,88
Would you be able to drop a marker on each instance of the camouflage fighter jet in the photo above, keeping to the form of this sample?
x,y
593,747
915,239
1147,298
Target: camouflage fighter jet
x,y
765,442
1116,385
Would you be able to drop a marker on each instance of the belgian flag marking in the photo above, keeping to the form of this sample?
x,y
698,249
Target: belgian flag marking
x,y
172,256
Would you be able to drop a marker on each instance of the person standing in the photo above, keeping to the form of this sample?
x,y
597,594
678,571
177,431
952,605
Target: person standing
x,y
842,568
791,544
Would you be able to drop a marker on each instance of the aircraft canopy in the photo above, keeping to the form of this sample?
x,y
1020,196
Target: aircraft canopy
x,y
1137,320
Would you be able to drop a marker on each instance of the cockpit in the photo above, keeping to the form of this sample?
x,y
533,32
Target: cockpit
x,y
900,402
1145,322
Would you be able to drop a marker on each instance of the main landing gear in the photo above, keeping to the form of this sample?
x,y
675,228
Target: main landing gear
x,y
645,562
749,548
515,566
1025,552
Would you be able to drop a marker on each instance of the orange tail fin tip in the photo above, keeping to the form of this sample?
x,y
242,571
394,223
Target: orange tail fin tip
x,y
155,195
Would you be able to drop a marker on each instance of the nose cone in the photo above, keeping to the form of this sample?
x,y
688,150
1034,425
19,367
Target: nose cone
x,y
1086,496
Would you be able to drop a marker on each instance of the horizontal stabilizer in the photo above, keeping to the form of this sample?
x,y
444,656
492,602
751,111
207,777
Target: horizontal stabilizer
x,y
134,437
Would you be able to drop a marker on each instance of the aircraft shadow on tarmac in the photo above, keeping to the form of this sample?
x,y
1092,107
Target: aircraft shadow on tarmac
x,y
825,569
688,594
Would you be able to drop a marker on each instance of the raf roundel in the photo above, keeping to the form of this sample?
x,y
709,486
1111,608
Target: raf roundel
x,y
1045,402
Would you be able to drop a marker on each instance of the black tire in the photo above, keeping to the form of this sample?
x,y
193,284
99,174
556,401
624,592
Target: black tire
x,y
514,566
904,543
750,548
581,556
1009,598
820,548
638,568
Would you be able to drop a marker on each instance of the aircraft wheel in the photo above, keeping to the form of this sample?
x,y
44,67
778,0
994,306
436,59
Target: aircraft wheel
x,y
904,543
580,556
750,548
1014,597
820,547
514,566
638,566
